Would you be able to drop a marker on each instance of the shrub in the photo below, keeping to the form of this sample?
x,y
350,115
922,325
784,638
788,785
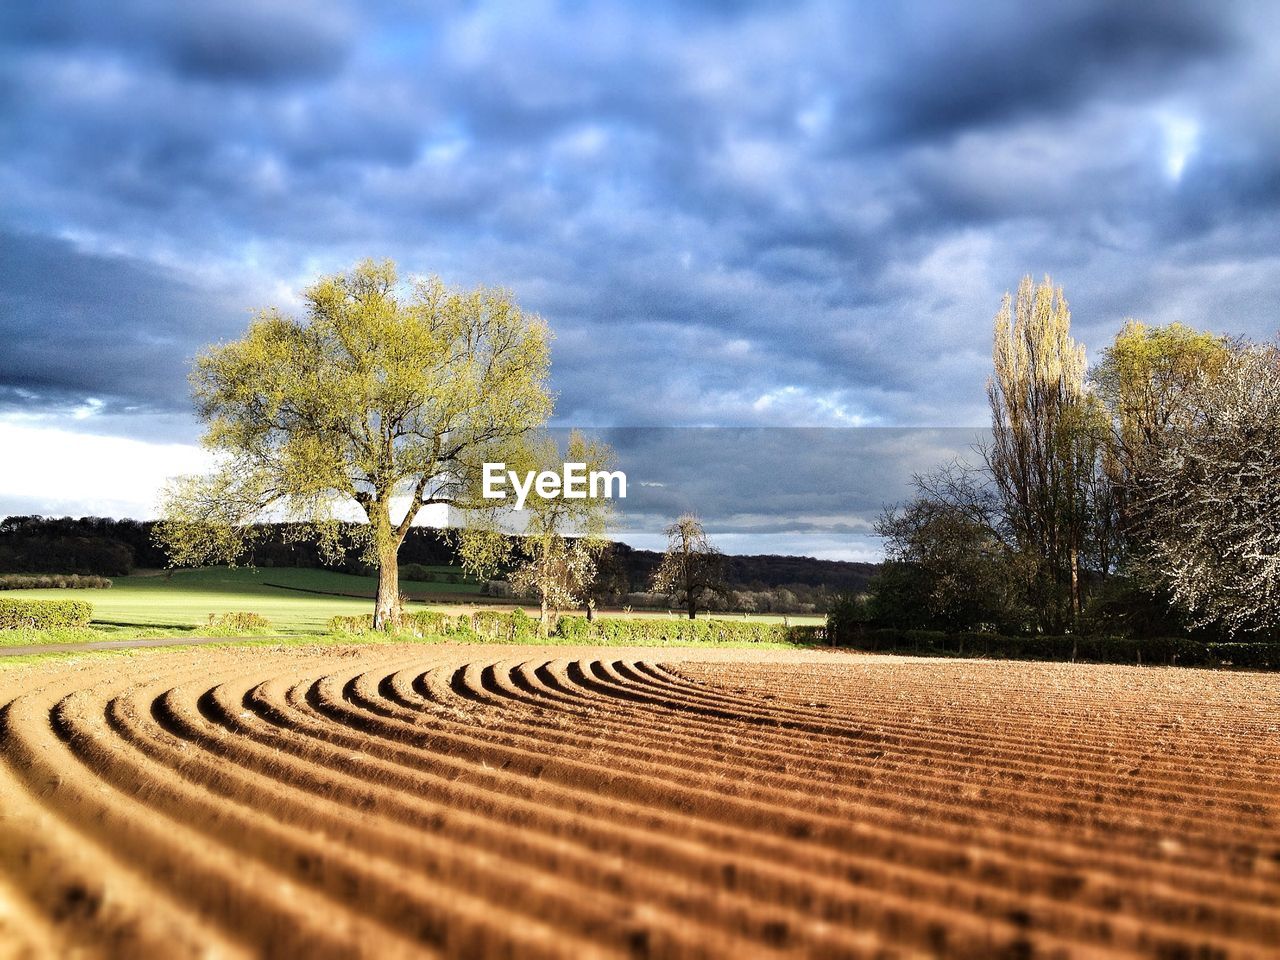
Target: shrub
x,y
419,623
434,623
43,614
622,632
573,628
1256,656
240,620
503,625
52,581
361,623
521,624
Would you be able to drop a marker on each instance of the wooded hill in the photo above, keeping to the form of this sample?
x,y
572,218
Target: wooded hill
x,y
112,548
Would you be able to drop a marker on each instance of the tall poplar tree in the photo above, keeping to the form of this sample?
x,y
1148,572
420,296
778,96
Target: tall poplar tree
x,y
1046,440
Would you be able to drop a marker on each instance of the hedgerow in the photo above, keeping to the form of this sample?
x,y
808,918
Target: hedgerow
x,y
1169,651
43,614
239,621
648,630
513,626
52,581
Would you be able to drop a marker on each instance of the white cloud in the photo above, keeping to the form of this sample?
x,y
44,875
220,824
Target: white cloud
x,y
54,470
1181,137
49,470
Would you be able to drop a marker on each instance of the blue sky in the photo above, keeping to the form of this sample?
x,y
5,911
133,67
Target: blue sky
x,y
774,214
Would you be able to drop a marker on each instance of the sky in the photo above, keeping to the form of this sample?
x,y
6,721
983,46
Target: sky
x,y
732,214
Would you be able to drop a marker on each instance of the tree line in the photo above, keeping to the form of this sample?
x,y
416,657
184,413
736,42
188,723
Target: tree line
x,y
106,547
1137,497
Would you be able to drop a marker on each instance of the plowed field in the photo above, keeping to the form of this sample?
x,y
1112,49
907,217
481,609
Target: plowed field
x,y
578,801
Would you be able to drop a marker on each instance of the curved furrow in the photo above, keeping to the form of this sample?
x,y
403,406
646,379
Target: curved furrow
x,y
504,801
1078,733
330,696
1026,756
470,878
906,919
1139,846
1071,737
310,854
1040,736
79,779
70,895
707,754
595,892
361,690
1200,810
1193,886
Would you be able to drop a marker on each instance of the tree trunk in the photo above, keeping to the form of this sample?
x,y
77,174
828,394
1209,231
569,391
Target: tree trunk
x,y
1075,588
693,608
386,613
544,620
591,611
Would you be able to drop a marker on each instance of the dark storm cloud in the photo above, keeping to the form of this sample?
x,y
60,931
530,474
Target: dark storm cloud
x,y
251,41
81,326
819,490
958,70
730,213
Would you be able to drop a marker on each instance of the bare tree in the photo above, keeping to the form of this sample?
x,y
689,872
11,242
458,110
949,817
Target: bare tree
x,y
1213,498
692,567
950,563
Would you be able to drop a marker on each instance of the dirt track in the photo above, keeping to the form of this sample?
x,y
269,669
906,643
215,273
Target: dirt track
x,y
575,801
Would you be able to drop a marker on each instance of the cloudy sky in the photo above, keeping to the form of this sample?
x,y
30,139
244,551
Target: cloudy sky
x,y
771,214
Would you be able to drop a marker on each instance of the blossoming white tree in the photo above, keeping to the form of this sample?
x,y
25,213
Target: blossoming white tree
x,y
1213,499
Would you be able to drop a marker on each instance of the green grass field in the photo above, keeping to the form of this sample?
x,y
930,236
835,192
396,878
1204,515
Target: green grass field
x,y
298,602
180,601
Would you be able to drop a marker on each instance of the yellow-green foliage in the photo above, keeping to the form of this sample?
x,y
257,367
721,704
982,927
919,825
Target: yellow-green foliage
x,y
1146,376
360,623
385,389
620,631
43,614
239,621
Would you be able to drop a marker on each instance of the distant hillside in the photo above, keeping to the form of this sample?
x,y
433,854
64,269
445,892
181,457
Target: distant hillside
x,y
761,571
97,545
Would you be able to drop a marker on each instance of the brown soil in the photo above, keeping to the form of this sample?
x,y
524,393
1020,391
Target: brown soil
x,y
589,801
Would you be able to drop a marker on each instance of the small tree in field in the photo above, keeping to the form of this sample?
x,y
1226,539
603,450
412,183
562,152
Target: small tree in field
x,y
386,398
563,535
691,567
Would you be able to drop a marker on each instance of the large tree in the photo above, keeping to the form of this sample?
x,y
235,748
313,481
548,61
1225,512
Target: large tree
x,y
1046,441
1211,498
691,567
385,398
1146,381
